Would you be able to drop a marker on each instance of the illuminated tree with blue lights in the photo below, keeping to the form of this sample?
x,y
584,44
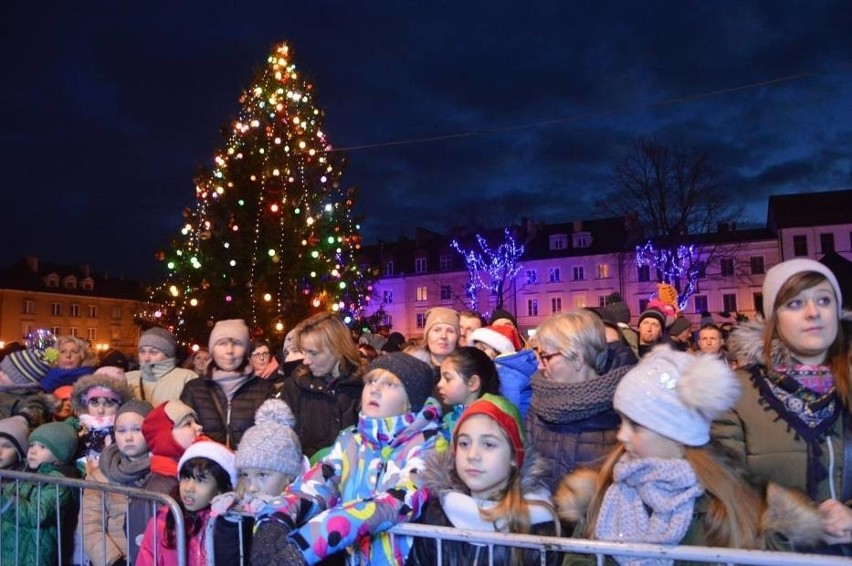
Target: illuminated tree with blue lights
x,y
672,198
490,268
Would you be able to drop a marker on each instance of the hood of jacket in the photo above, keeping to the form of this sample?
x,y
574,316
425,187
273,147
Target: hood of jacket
x,y
523,361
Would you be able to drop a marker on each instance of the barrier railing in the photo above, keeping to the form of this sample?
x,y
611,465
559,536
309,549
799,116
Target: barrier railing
x,y
549,545
47,489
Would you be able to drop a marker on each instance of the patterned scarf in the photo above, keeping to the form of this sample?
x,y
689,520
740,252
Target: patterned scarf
x,y
810,413
651,501
562,403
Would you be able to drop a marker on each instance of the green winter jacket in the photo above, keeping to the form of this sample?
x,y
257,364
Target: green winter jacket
x,y
28,519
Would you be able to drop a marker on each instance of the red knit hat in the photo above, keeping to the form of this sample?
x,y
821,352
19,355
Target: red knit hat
x,y
157,428
505,414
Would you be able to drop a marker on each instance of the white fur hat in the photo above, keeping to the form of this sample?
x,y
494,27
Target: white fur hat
x,y
677,394
779,274
215,451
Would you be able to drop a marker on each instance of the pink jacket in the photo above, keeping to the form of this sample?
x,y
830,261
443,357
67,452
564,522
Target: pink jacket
x,y
195,552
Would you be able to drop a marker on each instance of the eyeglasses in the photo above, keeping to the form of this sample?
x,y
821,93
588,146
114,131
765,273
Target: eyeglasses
x,y
545,358
260,355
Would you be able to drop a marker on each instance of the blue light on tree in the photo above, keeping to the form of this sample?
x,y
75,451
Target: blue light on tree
x,y
490,268
679,267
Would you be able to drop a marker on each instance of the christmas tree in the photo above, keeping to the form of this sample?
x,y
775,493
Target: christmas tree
x,y
272,238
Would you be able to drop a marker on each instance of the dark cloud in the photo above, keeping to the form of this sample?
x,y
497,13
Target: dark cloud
x,y
110,108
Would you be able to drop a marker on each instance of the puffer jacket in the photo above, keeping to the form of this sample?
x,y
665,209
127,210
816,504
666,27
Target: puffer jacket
x,y
515,371
28,519
323,407
450,505
362,488
768,447
226,421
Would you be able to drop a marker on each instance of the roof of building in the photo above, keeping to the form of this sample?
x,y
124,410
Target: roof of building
x,y
809,209
30,274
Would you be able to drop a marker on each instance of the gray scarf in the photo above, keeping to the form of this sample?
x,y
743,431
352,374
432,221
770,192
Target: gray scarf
x,y
650,501
562,403
156,370
120,469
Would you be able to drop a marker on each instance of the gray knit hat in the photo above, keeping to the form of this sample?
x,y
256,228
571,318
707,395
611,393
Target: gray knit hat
x,y
135,406
17,430
60,438
161,339
417,377
271,444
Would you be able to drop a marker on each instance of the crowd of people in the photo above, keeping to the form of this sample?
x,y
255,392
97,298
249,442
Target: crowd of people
x,y
311,453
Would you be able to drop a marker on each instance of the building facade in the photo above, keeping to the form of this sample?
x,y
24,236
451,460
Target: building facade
x,y
71,301
578,264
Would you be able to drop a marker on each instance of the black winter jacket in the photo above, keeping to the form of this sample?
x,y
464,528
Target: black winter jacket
x,y
223,421
322,409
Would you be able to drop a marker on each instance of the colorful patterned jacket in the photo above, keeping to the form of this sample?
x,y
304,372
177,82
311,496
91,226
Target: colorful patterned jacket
x,y
363,487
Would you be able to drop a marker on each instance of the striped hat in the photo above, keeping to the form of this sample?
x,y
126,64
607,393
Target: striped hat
x,y
25,367
505,414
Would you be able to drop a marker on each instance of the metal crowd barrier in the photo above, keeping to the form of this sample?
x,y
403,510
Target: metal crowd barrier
x,y
10,513
549,545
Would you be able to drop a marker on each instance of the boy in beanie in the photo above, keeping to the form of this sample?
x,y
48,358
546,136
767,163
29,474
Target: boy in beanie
x,y
158,378
124,462
368,476
28,510
14,442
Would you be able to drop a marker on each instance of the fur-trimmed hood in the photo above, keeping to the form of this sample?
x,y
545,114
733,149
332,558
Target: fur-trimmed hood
x,y
439,473
746,343
86,382
788,513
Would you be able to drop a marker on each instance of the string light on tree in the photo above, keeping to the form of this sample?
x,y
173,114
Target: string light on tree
x,y
490,268
272,237
679,267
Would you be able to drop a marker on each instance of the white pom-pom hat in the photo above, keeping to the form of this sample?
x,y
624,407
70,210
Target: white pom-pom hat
x,y
271,444
677,394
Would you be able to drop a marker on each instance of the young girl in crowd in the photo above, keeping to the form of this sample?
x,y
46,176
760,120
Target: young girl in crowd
x,y
366,484
206,469
515,365
226,397
168,431
466,374
14,443
792,424
125,462
28,510
664,483
95,399
489,481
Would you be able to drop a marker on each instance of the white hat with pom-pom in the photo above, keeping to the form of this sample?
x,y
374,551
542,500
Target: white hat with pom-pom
x,y
271,444
677,394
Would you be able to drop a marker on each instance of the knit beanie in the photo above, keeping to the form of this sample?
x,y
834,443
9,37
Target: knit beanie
x,y
115,359
143,408
63,393
653,313
505,414
161,339
157,428
215,451
441,315
616,309
17,430
502,313
271,444
677,394
60,438
491,336
25,367
81,388
779,274
680,324
394,342
417,377
234,329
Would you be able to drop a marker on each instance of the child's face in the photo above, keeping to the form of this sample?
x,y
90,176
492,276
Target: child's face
x,y
492,353
383,395
452,387
197,493
483,456
641,442
129,437
39,454
101,406
258,482
186,431
8,454
64,410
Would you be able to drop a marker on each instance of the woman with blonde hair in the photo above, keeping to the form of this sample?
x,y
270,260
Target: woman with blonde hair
x,y
792,424
72,360
571,422
324,393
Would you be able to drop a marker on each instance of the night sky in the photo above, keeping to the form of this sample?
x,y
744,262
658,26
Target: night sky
x,y
504,109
